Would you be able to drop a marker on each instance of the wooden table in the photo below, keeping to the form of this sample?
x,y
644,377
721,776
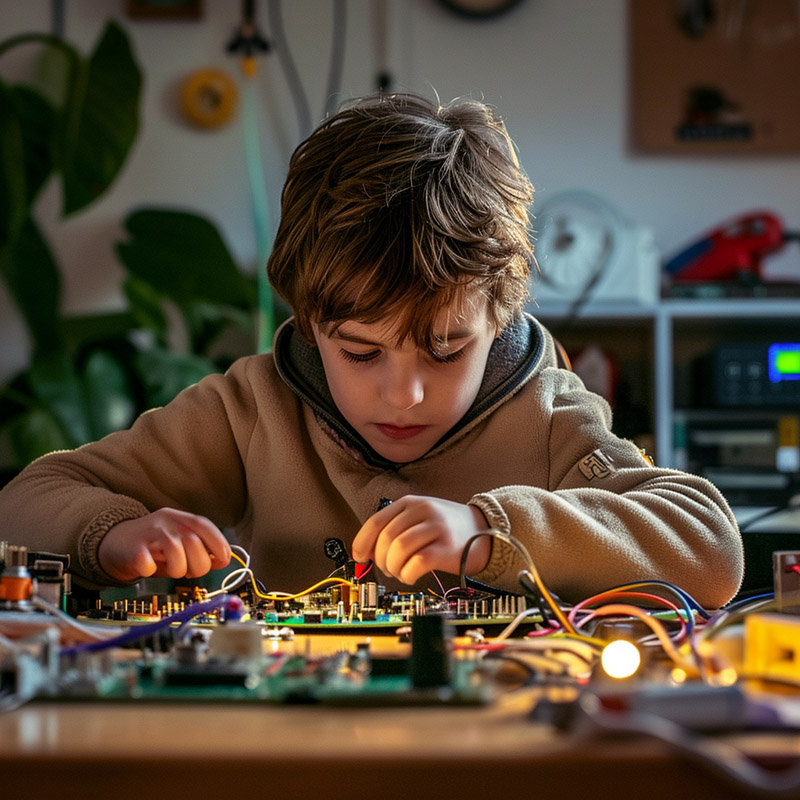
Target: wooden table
x,y
122,751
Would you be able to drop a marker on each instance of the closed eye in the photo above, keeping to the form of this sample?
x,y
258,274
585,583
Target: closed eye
x,y
358,358
448,358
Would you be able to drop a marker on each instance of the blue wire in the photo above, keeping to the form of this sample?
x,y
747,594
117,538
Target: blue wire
x,y
143,631
744,602
690,605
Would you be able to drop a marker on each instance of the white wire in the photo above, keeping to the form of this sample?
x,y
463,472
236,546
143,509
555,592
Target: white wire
x,y
232,580
242,552
515,623
91,631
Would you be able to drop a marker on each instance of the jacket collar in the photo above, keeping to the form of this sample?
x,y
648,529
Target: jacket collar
x,y
515,356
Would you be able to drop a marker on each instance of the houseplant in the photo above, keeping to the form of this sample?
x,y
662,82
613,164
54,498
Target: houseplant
x,y
92,374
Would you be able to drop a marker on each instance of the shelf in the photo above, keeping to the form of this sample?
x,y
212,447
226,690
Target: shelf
x,y
672,309
559,312
731,307
656,346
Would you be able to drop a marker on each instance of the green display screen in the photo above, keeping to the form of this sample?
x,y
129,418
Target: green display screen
x,y
784,362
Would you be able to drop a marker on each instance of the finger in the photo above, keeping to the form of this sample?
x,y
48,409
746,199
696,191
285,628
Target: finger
x,y
363,547
143,563
167,550
418,565
405,548
410,517
198,559
213,540
214,545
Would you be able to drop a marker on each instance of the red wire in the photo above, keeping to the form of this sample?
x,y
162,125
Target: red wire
x,y
653,598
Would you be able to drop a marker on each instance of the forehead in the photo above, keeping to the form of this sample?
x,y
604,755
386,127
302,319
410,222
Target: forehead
x,y
467,314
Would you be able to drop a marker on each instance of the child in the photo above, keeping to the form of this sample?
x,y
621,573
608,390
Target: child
x,y
409,372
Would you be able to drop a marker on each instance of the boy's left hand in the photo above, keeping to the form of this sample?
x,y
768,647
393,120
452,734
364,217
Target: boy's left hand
x,y
416,534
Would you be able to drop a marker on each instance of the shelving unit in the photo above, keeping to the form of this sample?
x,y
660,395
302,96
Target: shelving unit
x,y
664,342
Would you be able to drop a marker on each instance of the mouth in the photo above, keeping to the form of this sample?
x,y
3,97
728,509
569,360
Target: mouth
x,y
400,432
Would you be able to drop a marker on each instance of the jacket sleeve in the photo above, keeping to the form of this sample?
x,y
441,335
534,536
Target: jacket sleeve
x,y
187,455
608,516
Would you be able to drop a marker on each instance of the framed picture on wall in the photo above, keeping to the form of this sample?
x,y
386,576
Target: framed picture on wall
x,y
164,9
715,76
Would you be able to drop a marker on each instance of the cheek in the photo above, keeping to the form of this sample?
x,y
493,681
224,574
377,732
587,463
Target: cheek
x,y
464,389
348,392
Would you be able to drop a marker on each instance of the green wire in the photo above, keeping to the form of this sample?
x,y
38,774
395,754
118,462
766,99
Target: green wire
x,y
262,218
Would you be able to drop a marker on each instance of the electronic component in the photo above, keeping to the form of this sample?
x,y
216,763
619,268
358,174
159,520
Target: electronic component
x,y
786,577
757,374
772,648
16,584
25,573
246,666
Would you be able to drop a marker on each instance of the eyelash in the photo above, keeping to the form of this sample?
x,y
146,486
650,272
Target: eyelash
x,y
358,358
362,358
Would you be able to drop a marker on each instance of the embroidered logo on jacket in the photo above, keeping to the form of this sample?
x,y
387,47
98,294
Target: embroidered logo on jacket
x,y
596,465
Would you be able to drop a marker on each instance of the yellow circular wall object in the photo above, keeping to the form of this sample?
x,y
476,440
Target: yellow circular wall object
x,y
209,97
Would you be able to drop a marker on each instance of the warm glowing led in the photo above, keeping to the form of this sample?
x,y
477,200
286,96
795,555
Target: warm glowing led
x,y
620,659
678,675
726,677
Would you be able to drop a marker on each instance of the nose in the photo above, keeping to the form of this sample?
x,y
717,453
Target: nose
x,y
402,387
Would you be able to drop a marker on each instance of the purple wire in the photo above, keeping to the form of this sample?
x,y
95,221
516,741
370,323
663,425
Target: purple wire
x,y
142,631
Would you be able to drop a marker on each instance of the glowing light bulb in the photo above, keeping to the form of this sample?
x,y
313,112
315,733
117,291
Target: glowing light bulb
x,y
620,659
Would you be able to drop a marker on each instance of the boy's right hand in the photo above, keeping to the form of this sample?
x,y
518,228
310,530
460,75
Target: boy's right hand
x,y
166,543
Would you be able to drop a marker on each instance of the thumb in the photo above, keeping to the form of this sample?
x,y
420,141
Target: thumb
x,y
144,563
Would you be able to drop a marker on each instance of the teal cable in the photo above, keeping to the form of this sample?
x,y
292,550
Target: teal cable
x,y
262,218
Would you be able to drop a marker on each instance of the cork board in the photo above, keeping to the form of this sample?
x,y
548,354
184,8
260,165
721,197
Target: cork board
x,y
715,76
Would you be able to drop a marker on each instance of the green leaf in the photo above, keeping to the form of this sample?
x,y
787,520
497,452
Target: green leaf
x,y
107,394
33,279
184,257
57,387
51,76
101,119
165,373
34,433
37,121
13,191
145,307
108,330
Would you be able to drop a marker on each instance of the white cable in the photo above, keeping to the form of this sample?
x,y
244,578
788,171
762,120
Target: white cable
x,y
93,632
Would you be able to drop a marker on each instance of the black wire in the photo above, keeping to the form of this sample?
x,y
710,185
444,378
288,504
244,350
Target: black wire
x,y
57,18
462,570
337,56
302,109
791,504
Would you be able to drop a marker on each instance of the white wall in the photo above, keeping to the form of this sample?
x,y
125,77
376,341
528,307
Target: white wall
x,y
557,70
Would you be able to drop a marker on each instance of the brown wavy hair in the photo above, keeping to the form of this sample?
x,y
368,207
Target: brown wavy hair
x,y
394,206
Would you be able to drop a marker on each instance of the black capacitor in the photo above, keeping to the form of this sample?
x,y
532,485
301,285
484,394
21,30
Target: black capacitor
x,y
430,654
335,550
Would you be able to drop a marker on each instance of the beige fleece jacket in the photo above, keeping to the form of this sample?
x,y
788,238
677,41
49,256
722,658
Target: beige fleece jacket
x,y
245,451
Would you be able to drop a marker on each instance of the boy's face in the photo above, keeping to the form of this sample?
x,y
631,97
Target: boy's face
x,y
401,399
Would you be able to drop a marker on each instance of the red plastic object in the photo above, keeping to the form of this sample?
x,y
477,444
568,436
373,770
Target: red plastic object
x,y
731,251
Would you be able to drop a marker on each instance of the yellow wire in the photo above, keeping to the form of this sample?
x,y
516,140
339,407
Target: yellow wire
x,y
310,589
565,623
654,625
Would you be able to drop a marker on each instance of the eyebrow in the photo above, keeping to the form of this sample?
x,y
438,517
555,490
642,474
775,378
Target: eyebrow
x,y
454,336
